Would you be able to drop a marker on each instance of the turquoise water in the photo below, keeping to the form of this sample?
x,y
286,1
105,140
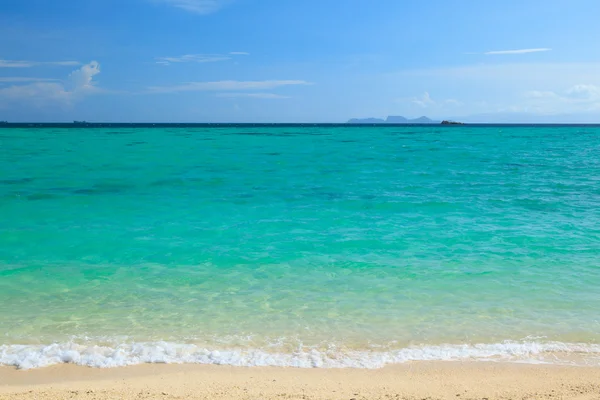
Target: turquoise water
x,y
305,246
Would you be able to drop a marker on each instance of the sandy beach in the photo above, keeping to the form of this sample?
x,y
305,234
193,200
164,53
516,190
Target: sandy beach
x,y
423,380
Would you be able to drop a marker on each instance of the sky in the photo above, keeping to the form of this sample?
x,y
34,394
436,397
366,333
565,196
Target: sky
x,y
299,60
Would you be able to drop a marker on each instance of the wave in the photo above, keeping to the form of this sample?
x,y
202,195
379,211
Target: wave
x,y
37,356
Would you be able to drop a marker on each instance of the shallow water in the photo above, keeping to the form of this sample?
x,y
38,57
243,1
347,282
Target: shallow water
x,y
341,241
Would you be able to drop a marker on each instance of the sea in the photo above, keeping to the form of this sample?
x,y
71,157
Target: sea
x,y
314,246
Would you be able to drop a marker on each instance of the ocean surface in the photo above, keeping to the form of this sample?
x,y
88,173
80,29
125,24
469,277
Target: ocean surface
x,y
307,246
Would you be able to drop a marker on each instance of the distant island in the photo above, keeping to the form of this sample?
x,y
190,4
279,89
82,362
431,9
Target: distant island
x,y
393,119
446,122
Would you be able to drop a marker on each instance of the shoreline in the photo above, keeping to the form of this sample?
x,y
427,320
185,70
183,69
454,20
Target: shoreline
x,y
417,380
129,354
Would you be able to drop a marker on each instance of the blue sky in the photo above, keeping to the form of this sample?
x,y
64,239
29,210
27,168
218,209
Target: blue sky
x,y
299,61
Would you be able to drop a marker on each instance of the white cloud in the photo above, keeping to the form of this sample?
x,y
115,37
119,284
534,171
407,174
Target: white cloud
x,y
195,58
201,7
199,58
576,98
15,79
29,64
424,100
453,102
584,92
253,95
519,51
541,88
434,106
62,63
82,79
226,86
40,93
540,94
16,64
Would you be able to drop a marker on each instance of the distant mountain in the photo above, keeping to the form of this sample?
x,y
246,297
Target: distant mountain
x,y
396,120
393,119
423,120
366,121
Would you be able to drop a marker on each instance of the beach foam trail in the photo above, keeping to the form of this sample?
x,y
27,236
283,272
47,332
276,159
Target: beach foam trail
x,y
37,356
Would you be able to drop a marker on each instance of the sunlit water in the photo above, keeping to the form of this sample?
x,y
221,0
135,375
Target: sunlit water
x,y
305,246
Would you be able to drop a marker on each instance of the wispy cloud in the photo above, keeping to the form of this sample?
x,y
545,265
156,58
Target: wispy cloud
x,y
29,64
253,95
492,87
201,7
16,79
575,98
518,51
16,64
453,102
40,93
199,58
584,92
424,100
192,58
218,86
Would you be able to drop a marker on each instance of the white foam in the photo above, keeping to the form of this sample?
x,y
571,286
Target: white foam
x,y
36,356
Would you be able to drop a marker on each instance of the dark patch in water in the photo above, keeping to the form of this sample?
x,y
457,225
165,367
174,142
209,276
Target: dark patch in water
x,y
17,181
104,188
256,134
332,196
272,154
207,181
61,132
328,195
402,133
168,182
118,133
514,165
368,197
61,189
537,205
135,143
280,134
523,165
85,191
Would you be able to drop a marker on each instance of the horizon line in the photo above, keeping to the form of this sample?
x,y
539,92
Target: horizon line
x,y
88,123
